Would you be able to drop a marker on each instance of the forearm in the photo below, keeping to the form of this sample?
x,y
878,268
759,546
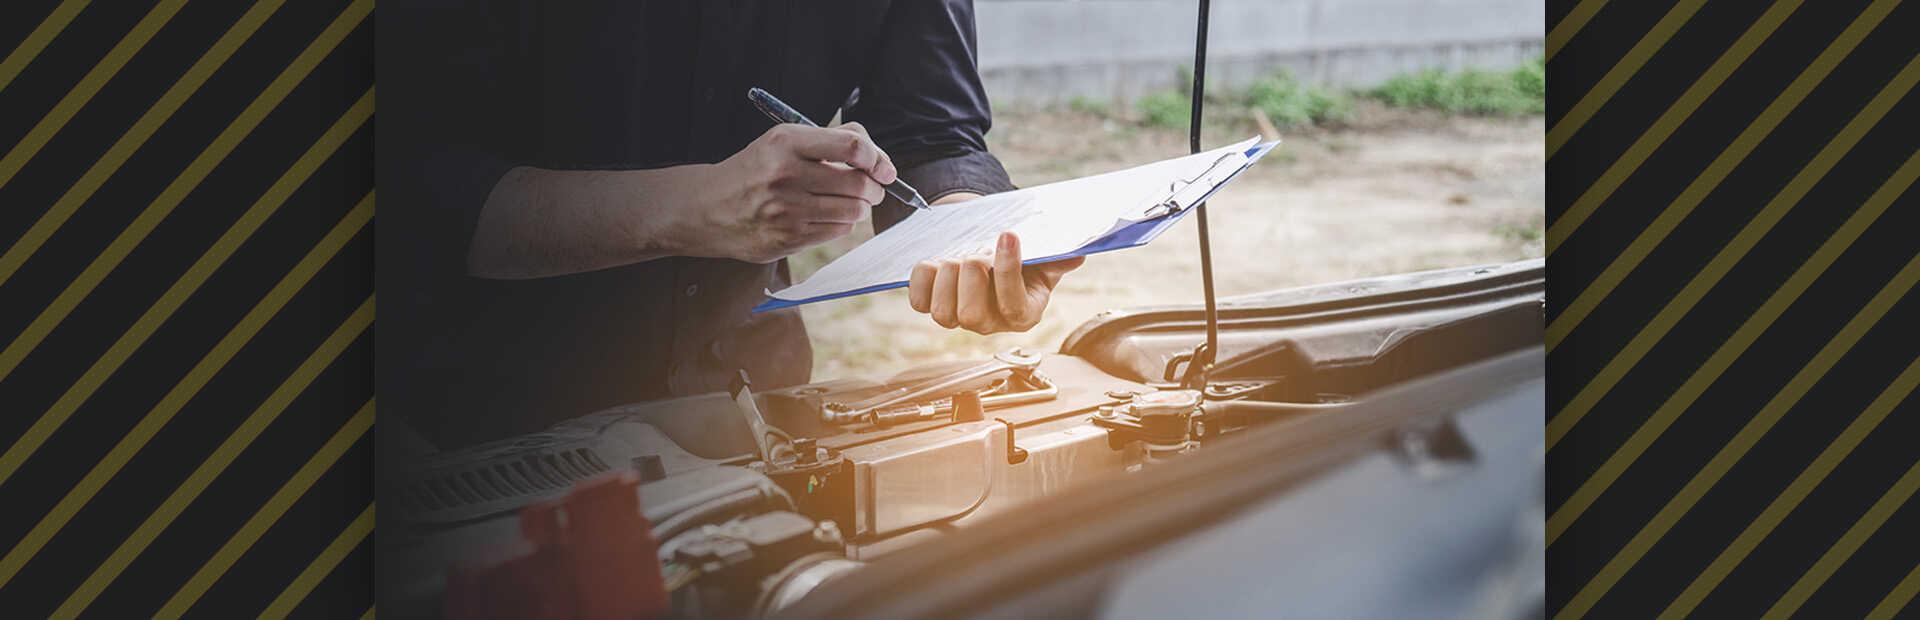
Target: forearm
x,y
539,222
773,198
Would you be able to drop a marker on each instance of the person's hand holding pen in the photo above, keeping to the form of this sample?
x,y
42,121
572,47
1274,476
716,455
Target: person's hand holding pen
x,y
984,295
787,191
790,199
794,187
797,185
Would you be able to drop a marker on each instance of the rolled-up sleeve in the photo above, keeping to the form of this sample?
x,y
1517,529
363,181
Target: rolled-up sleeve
x,y
924,104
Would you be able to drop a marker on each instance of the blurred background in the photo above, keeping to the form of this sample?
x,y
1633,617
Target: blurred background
x,y
1412,139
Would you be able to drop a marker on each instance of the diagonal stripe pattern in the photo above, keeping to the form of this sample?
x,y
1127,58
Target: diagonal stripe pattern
x,y
1731,453
137,135
30,47
150,218
1798,490
1850,541
1622,71
83,92
1709,179
1871,54
1668,122
222,456
329,558
196,378
1570,25
233,37
268,514
175,296
1595,110
1748,332
1729,255
1897,599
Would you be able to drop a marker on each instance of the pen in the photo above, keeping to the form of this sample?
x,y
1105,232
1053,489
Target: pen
x,y
780,112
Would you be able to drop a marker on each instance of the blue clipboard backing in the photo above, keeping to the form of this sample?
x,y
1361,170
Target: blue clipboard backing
x,y
1134,235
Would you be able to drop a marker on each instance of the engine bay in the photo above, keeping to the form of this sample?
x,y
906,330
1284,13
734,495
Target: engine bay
x,y
747,501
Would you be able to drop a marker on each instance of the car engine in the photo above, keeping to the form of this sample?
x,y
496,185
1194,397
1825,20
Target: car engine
x,y
742,503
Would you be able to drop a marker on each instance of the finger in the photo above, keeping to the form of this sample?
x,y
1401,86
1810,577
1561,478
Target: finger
x,y
975,295
852,147
841,181
1009,288
920,286
883,170
946,284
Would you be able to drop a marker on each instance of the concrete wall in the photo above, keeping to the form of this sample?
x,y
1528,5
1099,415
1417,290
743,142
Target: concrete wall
x,y
1042,51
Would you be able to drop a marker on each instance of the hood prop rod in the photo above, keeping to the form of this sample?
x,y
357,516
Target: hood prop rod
x,y
1200,364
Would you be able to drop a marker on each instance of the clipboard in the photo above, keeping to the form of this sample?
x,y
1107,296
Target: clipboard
x,y
1159,216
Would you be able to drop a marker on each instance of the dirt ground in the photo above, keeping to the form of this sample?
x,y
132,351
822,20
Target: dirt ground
x,y
1388,192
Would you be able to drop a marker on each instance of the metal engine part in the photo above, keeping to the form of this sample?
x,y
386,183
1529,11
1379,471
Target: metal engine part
x,y
924,400
738,512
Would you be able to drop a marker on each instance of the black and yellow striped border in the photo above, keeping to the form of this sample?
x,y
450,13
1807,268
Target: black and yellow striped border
x,y
1731,269
186,397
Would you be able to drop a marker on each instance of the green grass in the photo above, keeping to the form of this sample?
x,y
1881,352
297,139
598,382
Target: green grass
x,y
1088,107
1289,102
1530,78
1165,109
1517,92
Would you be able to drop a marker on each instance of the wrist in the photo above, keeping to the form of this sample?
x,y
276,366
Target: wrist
x,y
686,227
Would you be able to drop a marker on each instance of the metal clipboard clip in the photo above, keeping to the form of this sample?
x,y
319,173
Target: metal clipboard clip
x,y
1183,193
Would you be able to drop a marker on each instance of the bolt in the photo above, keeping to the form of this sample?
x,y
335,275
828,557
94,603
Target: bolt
x,y
827,532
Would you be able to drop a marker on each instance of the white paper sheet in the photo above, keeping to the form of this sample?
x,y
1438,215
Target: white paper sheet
x,y
1051,220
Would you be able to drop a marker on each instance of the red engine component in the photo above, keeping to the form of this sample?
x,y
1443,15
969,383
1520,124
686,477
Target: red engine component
x,y
592,556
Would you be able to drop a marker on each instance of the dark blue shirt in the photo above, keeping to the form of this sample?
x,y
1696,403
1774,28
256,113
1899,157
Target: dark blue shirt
x,y
470,89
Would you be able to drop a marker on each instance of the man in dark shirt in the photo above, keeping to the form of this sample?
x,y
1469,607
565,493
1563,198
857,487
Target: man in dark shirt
x,y
579,206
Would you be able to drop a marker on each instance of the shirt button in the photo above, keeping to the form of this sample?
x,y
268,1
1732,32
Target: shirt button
x,y
693,289
709,93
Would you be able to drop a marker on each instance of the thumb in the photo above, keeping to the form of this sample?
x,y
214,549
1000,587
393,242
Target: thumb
x,y
1009,285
